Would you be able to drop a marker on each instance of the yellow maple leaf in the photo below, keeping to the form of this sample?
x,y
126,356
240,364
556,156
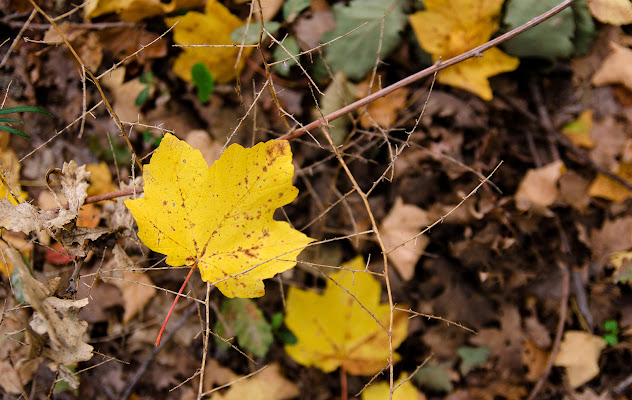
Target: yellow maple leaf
x,y
334,330
135,10
221,217
211,28
448,28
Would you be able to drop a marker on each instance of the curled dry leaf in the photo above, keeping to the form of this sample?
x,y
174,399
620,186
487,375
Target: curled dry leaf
x,y
403,222
579,353
56,331
27,218
16,367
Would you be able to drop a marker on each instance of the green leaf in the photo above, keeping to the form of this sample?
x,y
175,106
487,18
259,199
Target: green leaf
x,y
203,81
252,37
356,53
246,321
147,78
611,339
563,35
435,377
17,121
611,326
276,320
472,357
287,338
13,131
142,96
292,9
17,109
281,53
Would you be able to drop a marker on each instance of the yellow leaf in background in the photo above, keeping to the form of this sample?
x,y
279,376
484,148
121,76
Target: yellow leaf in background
x,y
100,179
381,391
10,171
579,353
334,330
268,384
211,28
609,189
448,28
135,10
579,131
221,216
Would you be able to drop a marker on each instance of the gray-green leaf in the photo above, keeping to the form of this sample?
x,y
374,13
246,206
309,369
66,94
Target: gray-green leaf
x,y
356,53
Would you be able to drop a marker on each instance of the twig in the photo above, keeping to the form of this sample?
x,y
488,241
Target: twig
x,y
475,52
558,334
17,38
154,351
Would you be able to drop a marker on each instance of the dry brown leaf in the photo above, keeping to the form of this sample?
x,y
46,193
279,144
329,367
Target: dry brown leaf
x,y
613,12
16,367
135,10
201,140
574,191
538,189
614,236
610,136
382,111
269,8
579,353
535,359
125,94
310,28
268,384
615,69
137,290
54,324
506,343
403,222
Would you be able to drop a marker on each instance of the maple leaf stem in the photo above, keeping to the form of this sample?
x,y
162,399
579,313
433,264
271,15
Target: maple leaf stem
x,y
175,301
343,383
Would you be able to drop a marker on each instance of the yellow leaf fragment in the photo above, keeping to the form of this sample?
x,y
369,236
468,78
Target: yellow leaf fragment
x,y
10,171
221,216
613,12
579,131
135,10
609,189
381,391
334,330
448,28
100,179
211,28
579,353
